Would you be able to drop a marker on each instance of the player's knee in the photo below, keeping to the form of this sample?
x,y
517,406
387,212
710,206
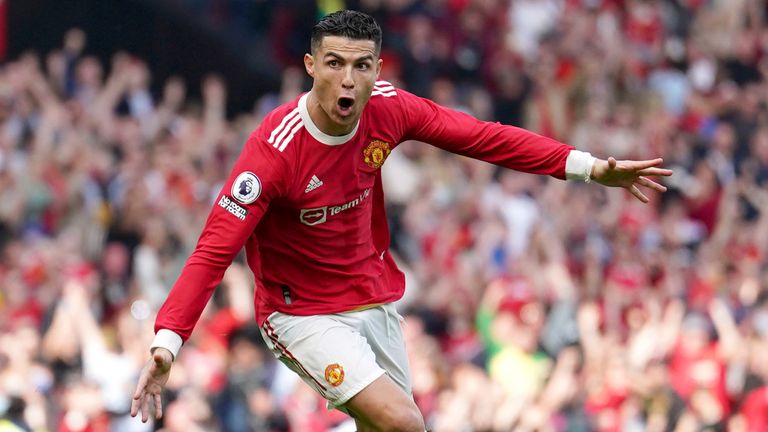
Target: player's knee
x,y
406,419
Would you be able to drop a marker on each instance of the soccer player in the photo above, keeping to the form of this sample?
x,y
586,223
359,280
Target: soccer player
x,y
305,198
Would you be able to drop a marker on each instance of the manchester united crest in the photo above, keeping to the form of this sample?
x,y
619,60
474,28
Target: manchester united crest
x,y
334,374
376,153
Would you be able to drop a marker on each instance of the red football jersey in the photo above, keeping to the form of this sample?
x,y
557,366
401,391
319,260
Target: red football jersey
x,y
309,207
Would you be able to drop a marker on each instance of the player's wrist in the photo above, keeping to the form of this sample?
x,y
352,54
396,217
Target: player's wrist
x,y
597,167
580,166
163,352
168,340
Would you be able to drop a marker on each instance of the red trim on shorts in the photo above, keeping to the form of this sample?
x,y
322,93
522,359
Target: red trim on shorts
x,y
273,336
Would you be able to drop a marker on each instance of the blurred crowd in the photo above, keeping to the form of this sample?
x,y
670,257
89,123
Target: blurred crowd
x,y
532,304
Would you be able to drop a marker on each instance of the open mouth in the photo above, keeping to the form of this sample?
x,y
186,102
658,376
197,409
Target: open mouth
x,y
345,105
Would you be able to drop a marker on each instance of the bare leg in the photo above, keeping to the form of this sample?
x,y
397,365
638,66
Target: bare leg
x,y
384,406
363,427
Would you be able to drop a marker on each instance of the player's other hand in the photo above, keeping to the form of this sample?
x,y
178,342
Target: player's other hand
x,y
153,377
630,175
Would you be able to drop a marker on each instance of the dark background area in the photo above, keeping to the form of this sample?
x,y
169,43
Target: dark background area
x,y
173,42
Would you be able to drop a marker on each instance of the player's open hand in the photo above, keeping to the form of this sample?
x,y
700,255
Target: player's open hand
x,y
630,175
153,377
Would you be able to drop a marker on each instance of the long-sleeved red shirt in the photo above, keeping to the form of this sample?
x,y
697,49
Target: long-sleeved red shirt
x,y
309,207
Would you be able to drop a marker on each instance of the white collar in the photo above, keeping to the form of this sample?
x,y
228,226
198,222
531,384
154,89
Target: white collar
x,y
316,132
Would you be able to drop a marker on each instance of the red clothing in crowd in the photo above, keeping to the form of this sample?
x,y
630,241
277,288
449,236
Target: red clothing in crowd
x,y
699,370
755,410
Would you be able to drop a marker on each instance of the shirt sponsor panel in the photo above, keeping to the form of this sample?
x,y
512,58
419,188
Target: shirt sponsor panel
x,y
318,215
313,216
233,207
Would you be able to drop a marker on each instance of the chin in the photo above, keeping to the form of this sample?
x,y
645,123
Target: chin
x,y
346,121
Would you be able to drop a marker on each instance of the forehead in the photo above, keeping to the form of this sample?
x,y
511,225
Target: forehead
x,y
346,47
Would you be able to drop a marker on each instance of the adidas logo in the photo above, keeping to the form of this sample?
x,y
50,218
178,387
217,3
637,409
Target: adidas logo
x,y
313,184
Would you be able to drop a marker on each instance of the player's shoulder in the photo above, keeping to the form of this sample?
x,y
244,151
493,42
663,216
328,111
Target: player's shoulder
x,y
387,96
279,127
385,99
392,106
287,109
384,90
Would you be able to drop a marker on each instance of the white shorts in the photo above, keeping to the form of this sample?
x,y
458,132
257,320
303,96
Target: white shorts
x,y
340,354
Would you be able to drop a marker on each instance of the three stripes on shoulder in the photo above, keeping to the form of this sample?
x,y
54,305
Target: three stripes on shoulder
x,y
284,132
383,88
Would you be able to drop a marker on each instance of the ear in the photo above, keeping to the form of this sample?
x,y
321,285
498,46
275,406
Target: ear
x,y
309,64
378,67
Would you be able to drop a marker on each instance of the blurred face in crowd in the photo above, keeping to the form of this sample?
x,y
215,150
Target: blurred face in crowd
x,y
344,72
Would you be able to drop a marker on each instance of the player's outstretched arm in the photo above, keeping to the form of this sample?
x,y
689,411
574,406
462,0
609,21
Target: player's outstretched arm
x,y
630,175
153,377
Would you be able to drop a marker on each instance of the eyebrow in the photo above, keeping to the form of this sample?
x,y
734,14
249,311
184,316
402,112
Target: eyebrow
x,y
367,57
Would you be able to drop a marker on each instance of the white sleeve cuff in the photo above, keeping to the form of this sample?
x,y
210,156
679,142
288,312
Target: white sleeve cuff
x,y
167,339
578,166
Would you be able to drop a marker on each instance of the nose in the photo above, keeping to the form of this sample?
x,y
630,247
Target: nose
x,y
348,81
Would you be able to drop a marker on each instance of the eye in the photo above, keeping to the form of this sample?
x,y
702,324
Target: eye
x,y
333,63
363,66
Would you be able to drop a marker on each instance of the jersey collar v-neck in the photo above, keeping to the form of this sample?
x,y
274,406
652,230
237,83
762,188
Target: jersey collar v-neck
x,y
316,132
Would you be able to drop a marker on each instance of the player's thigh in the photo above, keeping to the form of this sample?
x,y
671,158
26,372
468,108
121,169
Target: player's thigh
x,y
384,332
383,405
331,356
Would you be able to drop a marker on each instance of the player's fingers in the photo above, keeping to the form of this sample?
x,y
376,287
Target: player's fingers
x,y
158,406
651,184
611,162
141,385
145,408
643,164
644,167
655,172
135,403
637,193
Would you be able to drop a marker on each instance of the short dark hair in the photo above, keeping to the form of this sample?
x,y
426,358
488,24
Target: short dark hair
x,y
349,24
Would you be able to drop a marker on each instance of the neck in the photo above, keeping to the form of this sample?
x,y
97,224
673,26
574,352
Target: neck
x,y
323,121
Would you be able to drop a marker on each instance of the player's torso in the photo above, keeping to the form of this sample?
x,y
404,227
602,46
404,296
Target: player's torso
x,y
326,211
